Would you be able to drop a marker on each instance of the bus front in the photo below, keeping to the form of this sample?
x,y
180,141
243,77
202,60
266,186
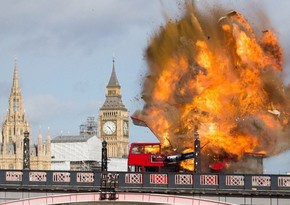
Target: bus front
x,y
141,155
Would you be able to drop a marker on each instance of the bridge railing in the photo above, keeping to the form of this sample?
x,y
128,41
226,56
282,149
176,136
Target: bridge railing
x,y
136,181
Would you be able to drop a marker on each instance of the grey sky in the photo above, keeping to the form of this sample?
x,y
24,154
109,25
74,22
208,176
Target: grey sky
x,y
64,51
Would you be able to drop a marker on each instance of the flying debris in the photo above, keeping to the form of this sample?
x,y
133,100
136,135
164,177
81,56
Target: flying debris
x,y
229,14
170,144
274,111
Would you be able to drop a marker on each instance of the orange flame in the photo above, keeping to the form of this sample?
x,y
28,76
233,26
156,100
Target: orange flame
x,y
219,81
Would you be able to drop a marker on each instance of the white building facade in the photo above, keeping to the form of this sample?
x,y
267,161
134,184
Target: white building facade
x,y
76,152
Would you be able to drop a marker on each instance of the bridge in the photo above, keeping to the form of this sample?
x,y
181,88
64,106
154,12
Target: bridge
x,y
59,187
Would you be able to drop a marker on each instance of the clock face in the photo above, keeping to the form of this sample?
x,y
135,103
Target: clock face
x,y
125,128
109,127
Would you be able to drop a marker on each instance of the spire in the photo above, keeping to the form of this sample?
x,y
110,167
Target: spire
x,y
48,146
15,123
113,93
15,100
113,82
39,144
15,85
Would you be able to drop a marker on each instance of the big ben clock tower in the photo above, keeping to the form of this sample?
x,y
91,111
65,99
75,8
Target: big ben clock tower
x,y
113,120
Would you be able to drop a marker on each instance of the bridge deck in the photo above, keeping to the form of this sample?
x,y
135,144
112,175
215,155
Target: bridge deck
x,y
173,183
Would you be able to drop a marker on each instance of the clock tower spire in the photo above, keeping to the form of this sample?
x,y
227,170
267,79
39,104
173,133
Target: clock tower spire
x,y
113,119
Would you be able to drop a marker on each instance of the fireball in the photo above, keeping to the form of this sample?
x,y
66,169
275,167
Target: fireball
x,y
214,75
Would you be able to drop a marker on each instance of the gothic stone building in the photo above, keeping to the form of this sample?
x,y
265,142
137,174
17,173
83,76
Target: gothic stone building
x,y
113,120
13,128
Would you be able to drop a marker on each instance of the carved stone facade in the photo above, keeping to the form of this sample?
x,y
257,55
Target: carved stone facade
x,y
114,120
13,128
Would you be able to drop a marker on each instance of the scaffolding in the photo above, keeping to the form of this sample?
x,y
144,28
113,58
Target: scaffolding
x,y
90,127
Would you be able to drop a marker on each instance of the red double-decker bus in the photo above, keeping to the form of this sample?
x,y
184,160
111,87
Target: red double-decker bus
x,y
148,157
140,157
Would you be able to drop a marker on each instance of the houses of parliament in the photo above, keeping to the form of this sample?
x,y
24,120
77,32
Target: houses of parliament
x,y
113,127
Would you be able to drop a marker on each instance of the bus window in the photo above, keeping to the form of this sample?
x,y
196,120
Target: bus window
x,y
131,168
152,149
139,169
151,169
138,149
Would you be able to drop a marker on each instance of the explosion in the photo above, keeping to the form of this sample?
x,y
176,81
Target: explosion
x,y
214,75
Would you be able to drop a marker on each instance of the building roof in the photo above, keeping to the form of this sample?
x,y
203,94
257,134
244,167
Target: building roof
x,y
71,138
113,102
11,148
113,82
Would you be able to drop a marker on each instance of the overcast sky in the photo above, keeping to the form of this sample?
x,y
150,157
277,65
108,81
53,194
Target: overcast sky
x,y
64,51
